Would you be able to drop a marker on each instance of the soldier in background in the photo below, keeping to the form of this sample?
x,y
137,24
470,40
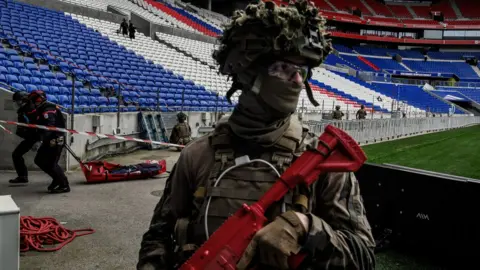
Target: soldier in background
x,y
337,114
181,133
326,220
362,113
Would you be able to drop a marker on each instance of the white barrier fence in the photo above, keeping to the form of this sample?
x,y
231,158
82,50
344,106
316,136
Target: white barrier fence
x,y
376,130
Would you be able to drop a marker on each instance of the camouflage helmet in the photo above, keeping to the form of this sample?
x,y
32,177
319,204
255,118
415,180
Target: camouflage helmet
x,y
265,32
181,116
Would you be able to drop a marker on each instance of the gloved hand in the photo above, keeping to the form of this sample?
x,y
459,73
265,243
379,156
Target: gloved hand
x,y
277,241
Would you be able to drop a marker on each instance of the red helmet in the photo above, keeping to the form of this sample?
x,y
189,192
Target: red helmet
x,y
37,96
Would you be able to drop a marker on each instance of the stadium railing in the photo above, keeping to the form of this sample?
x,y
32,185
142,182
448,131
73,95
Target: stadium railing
x,y
378,130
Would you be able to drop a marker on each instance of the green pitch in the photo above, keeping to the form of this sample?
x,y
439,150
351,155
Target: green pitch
x,y
453,152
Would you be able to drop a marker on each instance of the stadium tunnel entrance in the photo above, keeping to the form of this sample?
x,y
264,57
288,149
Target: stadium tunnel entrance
x,y
460,100
470,106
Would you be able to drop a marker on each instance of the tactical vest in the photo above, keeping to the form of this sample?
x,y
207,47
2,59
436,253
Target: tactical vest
x,y
183,133
337,115
243,184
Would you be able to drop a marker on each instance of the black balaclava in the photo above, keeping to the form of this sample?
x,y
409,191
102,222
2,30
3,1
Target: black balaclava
x,y
263,112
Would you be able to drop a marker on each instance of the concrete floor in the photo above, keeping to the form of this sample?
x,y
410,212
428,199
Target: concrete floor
x,y
119,212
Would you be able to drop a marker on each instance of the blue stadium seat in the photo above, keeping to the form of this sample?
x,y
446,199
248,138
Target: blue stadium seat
x,y
12,79
19,87
52,98
35,80
60,76
44,68
30,88
44,88
25,72
46,81
24,80
32,66
28,60
4,70
67,83
64,100
37,73
54,90
14,71
49,75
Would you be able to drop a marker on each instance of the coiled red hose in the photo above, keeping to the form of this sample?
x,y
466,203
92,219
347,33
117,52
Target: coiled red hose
x,y
39,233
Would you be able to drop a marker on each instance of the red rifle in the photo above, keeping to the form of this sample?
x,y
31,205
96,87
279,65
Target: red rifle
x,y
336,152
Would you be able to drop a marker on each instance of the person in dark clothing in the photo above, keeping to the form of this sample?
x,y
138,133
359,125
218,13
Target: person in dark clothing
x,y
26,114
124,27
53,142
131,30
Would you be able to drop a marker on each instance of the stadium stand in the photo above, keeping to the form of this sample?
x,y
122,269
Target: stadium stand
x,y
202,50
184,17
446,7
70,48
154,16
413,95
142,66
386,64
321,4
469,8
379,8
422,11
161,53
471,93
461,69
360,93
400,11
204,27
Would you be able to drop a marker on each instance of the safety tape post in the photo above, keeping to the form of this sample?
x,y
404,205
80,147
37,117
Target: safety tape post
x,y
88,133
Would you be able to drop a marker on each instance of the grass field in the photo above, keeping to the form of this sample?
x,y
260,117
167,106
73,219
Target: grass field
x,y
454,152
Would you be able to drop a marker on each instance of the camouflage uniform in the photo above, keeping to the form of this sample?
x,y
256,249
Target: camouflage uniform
x,y
337,114
338,236
361,114
181,132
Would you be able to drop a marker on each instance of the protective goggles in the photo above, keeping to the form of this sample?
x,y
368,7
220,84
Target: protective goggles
x,y
286,71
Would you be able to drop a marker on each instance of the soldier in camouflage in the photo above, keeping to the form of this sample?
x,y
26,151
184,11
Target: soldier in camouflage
x,y
362,113
337,114
269,52
181,132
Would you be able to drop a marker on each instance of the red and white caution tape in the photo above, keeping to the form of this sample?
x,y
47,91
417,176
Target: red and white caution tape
x,y
87,133
6,130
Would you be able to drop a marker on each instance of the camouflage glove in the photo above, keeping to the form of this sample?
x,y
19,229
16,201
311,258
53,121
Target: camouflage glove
x,y
277,241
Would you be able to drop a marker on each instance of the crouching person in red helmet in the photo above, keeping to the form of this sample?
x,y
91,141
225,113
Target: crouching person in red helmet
x,y
52,142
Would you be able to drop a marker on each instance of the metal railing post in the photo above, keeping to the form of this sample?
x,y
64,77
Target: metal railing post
x,y
72,113
119,94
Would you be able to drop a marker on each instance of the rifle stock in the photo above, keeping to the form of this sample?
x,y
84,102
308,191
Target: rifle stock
x,y
336,152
